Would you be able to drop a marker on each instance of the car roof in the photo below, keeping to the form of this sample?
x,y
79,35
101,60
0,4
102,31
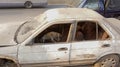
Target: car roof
x,y
71,13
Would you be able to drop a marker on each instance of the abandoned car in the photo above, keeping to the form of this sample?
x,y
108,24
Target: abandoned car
x,y
61,37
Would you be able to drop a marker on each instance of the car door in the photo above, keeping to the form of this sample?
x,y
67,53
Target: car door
x,y
50,47
90,42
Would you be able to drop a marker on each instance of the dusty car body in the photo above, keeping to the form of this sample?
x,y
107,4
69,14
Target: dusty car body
x,y
61,37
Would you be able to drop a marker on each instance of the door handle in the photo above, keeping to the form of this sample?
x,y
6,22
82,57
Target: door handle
x,y
63,49
106,45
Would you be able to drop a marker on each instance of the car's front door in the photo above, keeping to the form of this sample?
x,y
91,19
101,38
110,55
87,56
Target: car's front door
x,y
90,42
50,47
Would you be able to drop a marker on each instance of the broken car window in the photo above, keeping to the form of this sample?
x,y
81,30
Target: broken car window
x,y
53,34
90,31
86,31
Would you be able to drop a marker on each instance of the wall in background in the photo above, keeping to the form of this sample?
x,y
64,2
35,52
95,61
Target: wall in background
x,y
56,1
71,3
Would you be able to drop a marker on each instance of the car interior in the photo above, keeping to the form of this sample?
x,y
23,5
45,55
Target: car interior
x,y
53,34
84,31
90,31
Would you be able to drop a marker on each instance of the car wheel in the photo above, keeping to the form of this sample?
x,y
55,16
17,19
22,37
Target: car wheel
x,y
28,4
108,61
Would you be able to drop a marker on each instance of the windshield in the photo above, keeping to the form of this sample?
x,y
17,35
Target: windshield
x,y
26,29
92,4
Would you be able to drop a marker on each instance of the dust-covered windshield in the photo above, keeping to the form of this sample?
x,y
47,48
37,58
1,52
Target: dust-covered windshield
x,y
27,29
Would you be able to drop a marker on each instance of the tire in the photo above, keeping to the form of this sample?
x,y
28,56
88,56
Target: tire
x,y
28,4
108,61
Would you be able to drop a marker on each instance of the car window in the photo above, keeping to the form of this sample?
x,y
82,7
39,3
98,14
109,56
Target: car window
x,y
102,34
92,4
53,34
89,31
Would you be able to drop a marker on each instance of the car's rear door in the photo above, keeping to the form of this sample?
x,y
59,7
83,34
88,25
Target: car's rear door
x,y
89,43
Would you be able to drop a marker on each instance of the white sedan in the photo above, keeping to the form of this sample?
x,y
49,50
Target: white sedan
x,y
61,37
